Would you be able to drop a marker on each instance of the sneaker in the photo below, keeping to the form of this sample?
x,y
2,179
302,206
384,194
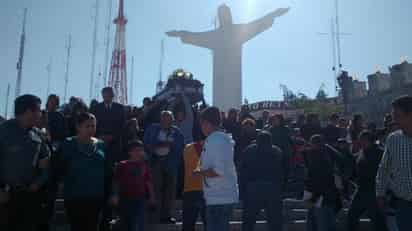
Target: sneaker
x,y
169,220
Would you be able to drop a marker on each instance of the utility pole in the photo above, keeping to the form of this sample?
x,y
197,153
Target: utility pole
x,y
94,48
108,28
66,77
338,36
48,69
132,81
97,84
159,85
6,110
21,55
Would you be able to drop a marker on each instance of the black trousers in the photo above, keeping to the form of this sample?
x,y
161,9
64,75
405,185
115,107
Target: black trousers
x,y
365,202
262,195
193,206
21,212
83,215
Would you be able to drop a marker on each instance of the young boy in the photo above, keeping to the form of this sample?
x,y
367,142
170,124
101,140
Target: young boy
x,y
132,182
193,201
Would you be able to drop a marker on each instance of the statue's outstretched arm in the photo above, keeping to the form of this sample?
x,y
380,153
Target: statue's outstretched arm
x,y
250,30
201,39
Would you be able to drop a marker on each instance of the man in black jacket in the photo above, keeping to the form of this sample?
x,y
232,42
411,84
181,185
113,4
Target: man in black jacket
x,y
56,123
324,201
111,118
332,132
263,175
366,169
232,124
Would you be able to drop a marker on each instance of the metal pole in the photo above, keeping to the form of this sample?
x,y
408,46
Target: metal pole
x,y
335,71
162,54
48,69
21,55
96,18
97,84
66,78
338,36
108,28
6,111
132,81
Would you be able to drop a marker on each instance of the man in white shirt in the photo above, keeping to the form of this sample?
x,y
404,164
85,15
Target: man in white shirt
x,y
219,173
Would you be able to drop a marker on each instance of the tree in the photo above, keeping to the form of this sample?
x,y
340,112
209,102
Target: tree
x,y
320,107
321,95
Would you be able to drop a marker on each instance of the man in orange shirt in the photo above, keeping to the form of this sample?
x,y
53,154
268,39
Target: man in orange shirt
x,y
193,201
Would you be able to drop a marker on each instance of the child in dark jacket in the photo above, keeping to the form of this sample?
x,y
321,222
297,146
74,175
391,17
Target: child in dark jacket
x,y
132,182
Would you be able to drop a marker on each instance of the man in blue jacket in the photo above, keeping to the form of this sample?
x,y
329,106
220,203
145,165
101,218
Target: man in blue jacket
x,y
164,144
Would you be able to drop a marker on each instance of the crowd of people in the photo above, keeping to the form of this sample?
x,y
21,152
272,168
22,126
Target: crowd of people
x,y
112,162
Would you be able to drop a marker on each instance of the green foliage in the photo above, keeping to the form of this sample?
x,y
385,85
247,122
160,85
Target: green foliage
x,y
321,95
319,106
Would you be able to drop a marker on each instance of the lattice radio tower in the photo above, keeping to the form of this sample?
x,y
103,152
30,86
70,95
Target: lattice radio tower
x,y
117,75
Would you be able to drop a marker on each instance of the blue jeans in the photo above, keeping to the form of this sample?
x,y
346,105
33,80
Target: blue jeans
x,y
218,217
321,219
403,213
132,214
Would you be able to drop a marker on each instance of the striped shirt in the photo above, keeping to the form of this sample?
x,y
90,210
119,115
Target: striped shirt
x,y
395,170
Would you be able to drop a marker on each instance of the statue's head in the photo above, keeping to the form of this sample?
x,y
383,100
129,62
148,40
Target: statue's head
x,y
225,15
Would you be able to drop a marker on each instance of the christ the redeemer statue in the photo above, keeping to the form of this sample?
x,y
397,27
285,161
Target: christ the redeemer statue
x,y
226,43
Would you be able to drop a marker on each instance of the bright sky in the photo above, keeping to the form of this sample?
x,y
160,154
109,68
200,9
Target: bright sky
x,y
291,52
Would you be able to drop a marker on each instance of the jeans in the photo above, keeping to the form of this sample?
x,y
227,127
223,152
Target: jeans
x,y
132,213
218,217
165,189
403,213
193,205
365,202
259,196
321,219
